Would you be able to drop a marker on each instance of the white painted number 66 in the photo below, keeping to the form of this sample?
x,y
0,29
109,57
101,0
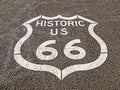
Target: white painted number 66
x,y
53,52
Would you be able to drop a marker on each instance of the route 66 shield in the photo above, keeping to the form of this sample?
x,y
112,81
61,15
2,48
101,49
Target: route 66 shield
x,y
60,40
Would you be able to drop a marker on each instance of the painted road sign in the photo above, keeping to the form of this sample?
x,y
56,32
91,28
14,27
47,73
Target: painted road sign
x,y
61,74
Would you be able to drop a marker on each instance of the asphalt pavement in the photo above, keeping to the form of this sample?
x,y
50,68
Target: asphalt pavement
x,y
22,76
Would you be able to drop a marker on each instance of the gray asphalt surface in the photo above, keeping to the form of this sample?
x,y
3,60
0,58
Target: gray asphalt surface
x,y
13,13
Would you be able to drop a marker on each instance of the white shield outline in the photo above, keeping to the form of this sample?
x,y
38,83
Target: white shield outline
x,y
61,74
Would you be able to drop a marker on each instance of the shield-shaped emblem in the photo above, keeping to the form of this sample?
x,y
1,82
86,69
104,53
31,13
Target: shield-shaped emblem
x,y
60,73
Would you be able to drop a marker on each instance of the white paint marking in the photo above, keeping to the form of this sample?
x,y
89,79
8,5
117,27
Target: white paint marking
x,y
17,49
37,67
34,19
68,70
70,47
83,67
88,66
43,47
86,19
59,17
